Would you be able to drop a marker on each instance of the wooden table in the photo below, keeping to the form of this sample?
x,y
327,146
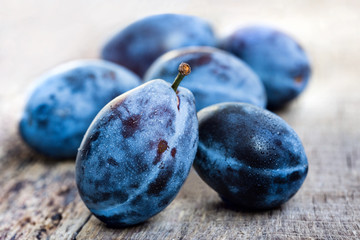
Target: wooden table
x,y
38,198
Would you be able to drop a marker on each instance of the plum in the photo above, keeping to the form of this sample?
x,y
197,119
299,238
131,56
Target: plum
x,y
217,76
278,59
251,157
139,44
65,101
137,152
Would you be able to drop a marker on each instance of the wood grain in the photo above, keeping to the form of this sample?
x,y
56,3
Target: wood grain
x,y
39,199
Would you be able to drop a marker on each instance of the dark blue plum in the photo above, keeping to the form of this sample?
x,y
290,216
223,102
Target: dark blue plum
x,y
139,44
137,153
65,101
278,59
251,157
216,76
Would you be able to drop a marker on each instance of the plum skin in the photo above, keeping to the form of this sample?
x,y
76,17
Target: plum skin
x,y
65,101
216,76
133,160
251,157
139,44
281,63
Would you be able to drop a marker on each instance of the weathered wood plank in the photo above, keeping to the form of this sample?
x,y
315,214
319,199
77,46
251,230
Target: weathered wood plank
x,y
40,200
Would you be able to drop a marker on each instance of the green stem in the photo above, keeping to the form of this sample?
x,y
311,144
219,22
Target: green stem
x,y
184,70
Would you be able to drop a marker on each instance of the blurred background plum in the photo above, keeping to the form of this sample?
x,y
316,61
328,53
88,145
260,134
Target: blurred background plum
x,y
140,43
66,99
216,76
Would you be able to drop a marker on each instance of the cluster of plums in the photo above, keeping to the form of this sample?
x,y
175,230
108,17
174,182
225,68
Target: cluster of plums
x,y
136,139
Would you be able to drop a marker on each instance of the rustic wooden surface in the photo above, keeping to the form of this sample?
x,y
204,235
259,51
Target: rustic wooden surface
x,y
38,197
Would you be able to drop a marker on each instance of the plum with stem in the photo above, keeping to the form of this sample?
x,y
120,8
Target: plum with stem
x,y
138,152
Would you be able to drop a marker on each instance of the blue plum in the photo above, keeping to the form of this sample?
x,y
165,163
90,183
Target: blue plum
x,y
65,101
251,157
137,153
278,59
139,44
217,76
